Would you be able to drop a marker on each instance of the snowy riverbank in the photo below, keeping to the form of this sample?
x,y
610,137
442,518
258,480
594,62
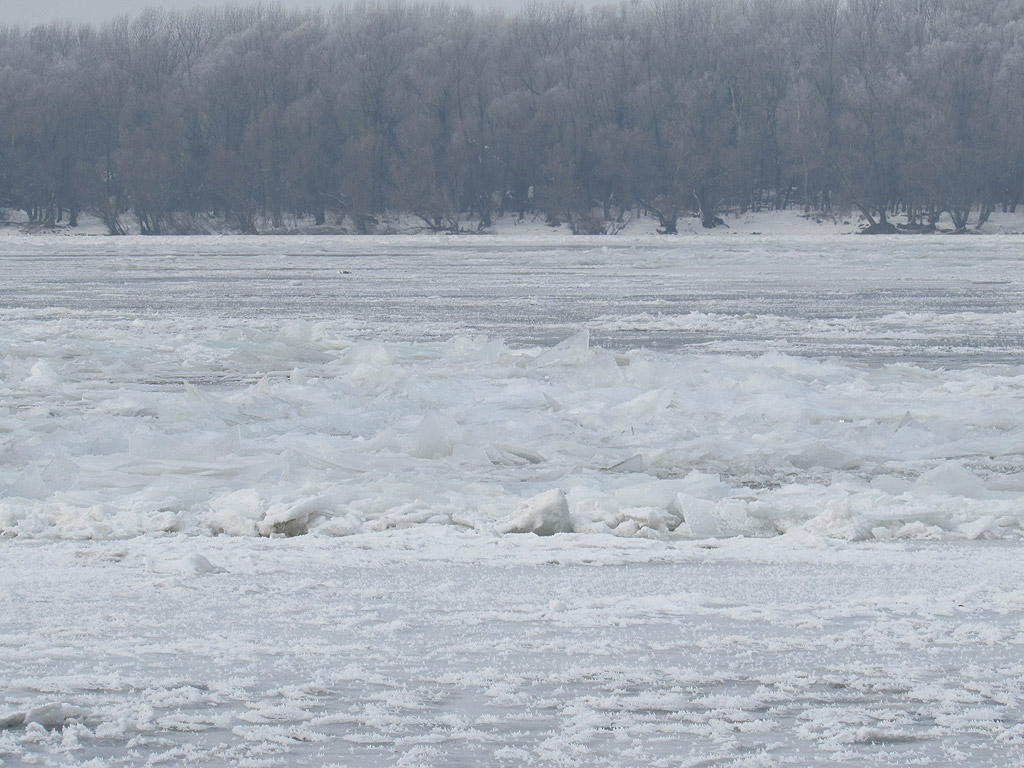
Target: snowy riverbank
x,y
791,223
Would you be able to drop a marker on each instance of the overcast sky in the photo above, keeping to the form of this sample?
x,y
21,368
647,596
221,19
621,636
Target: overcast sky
x,y
31,12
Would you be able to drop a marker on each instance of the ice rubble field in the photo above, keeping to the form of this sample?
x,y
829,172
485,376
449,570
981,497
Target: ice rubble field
x,y
788,472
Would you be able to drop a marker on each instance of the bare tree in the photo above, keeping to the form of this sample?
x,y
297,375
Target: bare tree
x,y
259,116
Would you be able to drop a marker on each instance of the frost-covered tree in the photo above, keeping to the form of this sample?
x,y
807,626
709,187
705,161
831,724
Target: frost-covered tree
x,y
260,115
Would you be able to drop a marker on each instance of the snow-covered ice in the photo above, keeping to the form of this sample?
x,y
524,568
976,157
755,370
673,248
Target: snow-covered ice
x,y
271,501
426,647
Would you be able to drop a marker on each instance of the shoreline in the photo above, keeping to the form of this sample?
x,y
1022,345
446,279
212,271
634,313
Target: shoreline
x,y
787,223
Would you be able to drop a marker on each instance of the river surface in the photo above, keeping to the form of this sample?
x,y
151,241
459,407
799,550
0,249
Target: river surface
x,y
275,501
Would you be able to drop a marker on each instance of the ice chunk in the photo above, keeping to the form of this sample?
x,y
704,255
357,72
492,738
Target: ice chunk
x,y
291,519
592,514
545,515
11,720
235,514
513,454
699,515
907,421
894,486
820,455
646,522
60,473
953,479
464,453
979,527
663,493
649,405
572,351
600,370
491,352
657,493
338,525
728,517
30,484
840,521
194,394
631,465
436,436
55,715
190,565
42,375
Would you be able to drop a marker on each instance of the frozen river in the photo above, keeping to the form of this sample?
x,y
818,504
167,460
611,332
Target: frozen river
x,y
941,301
789,474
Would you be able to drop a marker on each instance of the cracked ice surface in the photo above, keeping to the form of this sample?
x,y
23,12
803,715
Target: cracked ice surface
x,y
790,470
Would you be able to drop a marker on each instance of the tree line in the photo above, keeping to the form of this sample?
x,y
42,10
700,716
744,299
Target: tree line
x,y
259,115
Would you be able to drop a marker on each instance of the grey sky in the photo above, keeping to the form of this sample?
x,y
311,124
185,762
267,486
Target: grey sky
x,y
31,12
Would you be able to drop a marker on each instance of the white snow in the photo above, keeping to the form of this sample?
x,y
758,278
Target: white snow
x,y
271,501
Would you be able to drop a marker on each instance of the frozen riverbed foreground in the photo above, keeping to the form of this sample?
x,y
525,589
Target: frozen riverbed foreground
x,y
432,648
